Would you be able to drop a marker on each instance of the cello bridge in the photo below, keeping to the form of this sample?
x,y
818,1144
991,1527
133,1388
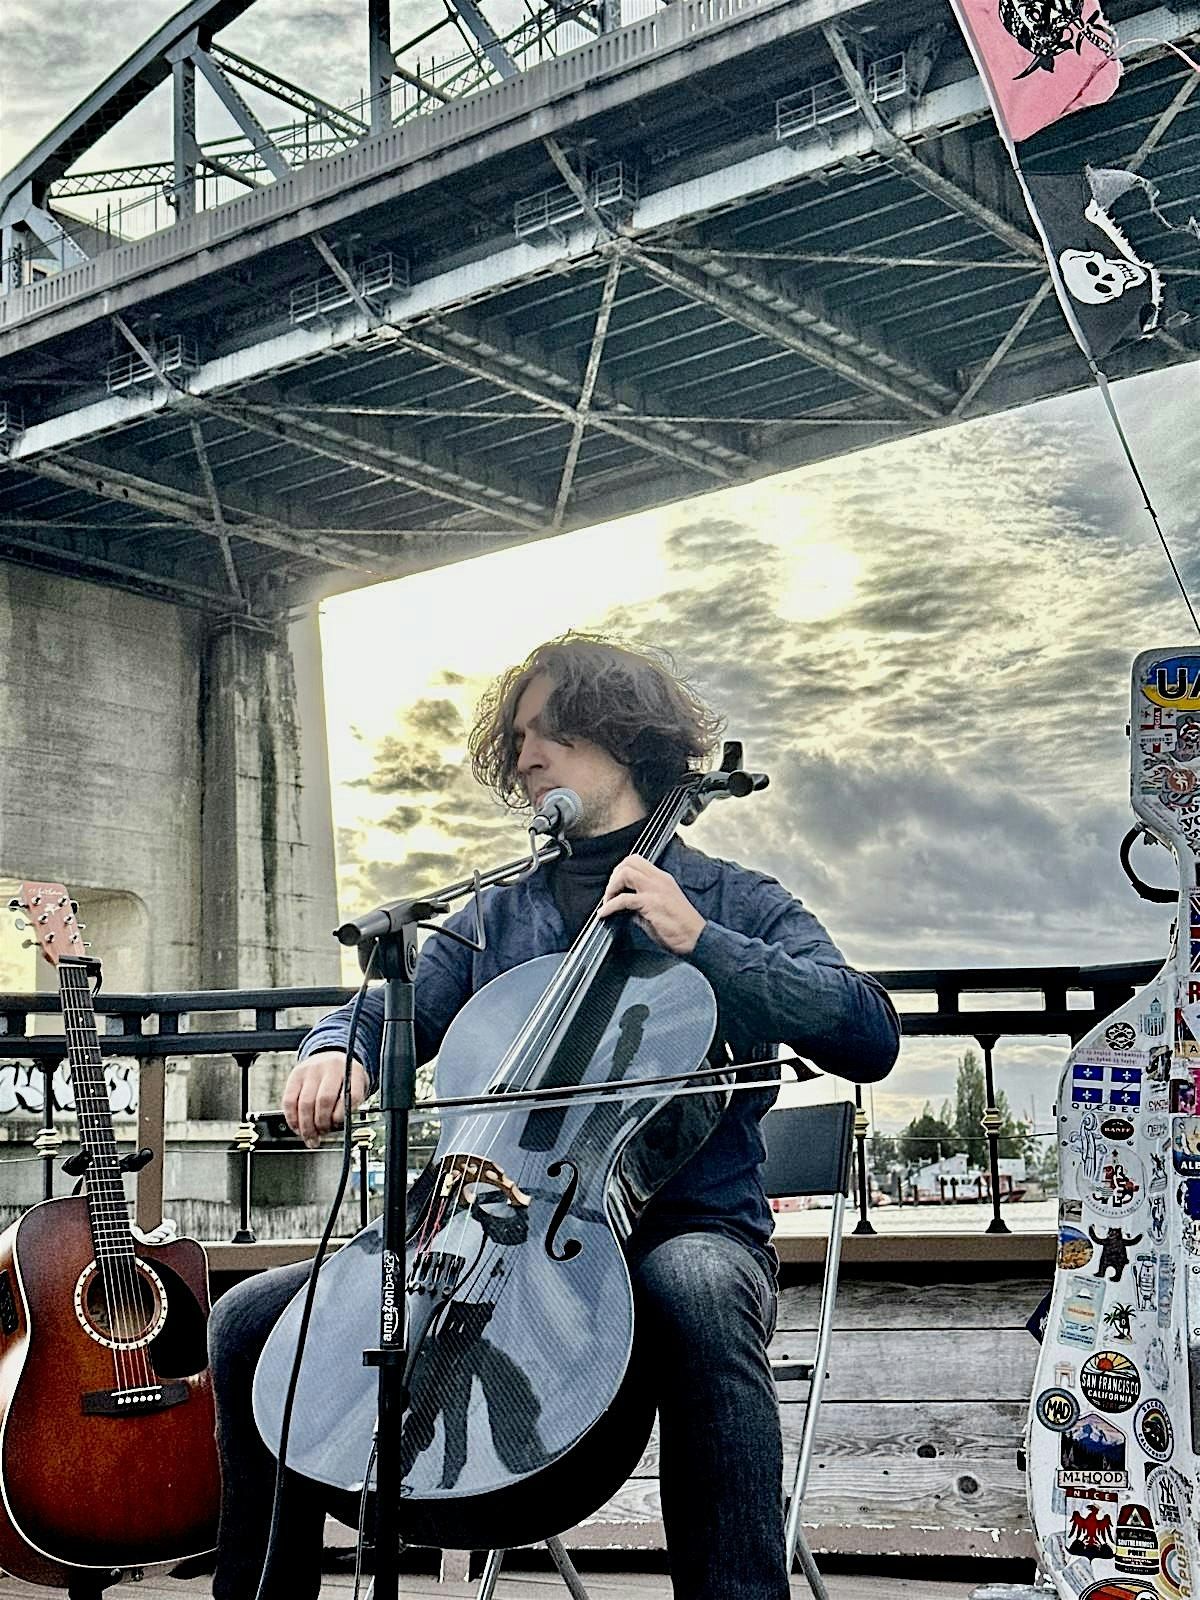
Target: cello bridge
x,y
464,1176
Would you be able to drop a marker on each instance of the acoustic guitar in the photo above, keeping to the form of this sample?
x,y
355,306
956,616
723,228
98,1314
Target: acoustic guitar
x,y
107,1451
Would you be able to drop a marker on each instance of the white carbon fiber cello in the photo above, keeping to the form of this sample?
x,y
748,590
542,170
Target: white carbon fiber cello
x,y
1114,1422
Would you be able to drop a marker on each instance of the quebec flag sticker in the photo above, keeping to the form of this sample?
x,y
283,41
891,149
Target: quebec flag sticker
x,y
1115,1086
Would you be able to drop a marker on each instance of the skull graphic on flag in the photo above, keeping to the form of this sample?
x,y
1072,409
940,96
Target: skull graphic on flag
x,y
1107,290
1039,59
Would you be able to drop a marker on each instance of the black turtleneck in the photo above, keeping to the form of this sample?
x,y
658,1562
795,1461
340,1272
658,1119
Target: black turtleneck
x,y
578,879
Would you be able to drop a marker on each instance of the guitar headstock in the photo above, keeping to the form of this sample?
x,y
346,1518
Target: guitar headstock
x,y
52,922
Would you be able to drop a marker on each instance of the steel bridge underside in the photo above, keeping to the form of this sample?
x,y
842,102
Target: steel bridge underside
x,y
715,296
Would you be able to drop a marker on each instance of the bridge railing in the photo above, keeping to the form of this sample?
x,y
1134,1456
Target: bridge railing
x,y
153,1029
678,26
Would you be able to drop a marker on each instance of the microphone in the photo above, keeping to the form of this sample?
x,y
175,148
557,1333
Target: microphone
x,y
559,810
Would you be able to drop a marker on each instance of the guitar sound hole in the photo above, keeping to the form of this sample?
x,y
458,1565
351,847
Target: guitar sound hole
x,y
123,1306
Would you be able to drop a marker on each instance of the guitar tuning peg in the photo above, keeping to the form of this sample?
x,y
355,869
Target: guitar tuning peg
x,y
20,924
81,926
28,944
16,904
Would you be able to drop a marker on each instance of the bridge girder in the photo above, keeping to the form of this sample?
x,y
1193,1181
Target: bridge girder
x,y
601,334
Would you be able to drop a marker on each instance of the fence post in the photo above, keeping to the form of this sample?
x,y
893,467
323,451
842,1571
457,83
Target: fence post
x,y
152,1132
990,1123
247,1138
49,1138
364,1138
863,1225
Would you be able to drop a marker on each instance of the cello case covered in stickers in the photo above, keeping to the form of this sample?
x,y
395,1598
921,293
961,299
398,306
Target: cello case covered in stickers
x,y
1114,1423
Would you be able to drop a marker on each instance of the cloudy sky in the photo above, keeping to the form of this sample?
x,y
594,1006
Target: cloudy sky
x,y
926,645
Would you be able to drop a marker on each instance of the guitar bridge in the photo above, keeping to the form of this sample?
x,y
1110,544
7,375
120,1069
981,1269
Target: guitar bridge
x,y
133,1402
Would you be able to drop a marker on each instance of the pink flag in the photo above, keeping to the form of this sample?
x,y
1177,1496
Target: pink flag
x,y
1039,59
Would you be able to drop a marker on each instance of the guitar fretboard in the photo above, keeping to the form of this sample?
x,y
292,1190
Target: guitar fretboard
x,y
105,1192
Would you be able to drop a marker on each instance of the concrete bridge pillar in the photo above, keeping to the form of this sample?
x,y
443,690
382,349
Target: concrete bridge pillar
x,y
267,898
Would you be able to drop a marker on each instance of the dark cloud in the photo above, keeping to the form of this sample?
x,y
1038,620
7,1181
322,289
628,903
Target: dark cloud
x,y
379,882
400,768
435,719
402,820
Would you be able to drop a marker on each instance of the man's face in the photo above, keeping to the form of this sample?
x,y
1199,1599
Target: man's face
x,y
605,787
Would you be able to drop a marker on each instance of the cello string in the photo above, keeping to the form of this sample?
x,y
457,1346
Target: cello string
x,y
562,985
591,945
528,1050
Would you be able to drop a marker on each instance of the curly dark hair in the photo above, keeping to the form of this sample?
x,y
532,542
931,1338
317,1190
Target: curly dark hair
x,y
629,700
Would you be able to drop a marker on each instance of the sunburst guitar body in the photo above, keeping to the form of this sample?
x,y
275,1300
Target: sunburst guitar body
x,y
107,1450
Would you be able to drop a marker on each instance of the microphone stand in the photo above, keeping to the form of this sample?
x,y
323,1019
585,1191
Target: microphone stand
x,y
389,934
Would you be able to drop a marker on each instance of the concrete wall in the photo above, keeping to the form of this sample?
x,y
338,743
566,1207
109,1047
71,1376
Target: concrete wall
x,y
172,773
100,782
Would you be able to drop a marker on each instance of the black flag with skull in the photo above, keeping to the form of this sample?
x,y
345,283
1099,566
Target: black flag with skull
x,y
1111,293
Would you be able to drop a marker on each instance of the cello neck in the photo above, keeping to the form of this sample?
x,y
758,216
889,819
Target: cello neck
x,y
566,992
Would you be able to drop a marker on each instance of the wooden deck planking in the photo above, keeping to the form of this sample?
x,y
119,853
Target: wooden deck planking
x,y
516,1586
924,1410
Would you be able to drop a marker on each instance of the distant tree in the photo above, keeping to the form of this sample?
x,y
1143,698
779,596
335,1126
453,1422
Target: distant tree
x,y
884,1153
1016,1136
927,1138
970,1103
1045,1163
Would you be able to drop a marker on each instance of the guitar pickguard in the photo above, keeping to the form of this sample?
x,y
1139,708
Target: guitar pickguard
x,y
1114,1425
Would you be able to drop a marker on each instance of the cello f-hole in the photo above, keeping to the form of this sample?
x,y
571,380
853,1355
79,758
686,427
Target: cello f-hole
x,y
571,1247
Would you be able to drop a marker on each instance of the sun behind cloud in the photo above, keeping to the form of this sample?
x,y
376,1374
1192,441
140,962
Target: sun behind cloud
x,y
822,582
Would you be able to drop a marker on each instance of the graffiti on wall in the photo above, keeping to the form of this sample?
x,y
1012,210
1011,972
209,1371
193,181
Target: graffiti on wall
x,y
23,1088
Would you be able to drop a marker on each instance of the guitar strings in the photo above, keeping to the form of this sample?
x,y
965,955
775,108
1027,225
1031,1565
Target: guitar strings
x,y
75,1052
116,1267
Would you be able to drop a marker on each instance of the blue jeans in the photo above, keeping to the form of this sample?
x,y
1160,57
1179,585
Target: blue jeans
x,y
705,1313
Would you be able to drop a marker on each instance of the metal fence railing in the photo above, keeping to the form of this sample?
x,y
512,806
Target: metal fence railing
x,y
150,1030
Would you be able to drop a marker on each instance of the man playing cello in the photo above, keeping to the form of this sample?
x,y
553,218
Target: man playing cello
x,y
619,728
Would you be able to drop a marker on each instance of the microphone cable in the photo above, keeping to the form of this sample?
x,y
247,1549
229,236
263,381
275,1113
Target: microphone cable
x,y
271,1552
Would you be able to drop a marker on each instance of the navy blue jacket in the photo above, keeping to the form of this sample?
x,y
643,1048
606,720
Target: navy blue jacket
x,y
777,976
